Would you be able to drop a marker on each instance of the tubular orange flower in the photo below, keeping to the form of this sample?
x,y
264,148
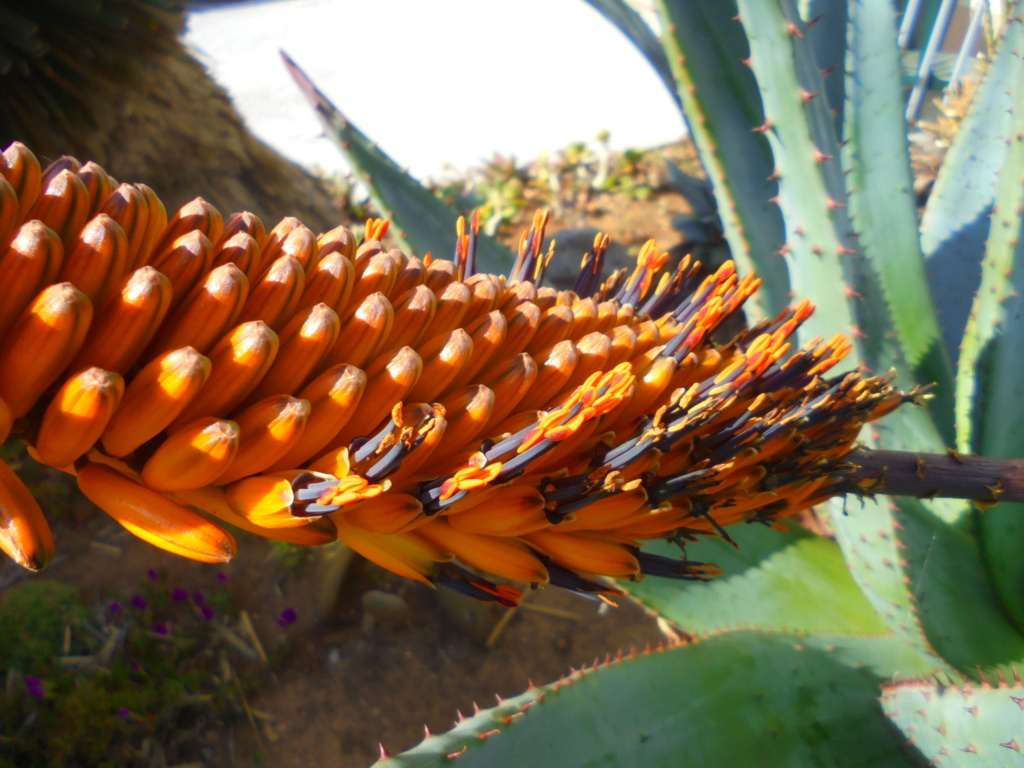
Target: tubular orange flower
x,y
416,409
31,261
213,501
128,207
239,362
98,183
269,428
291,238
184,262
62,205
98,259
194,216
304,341
333,397
41,344
193,457
265,500
24,174
6,421
210,309
124,327
77,416
330,283
242,250
24,533
154,517
277,293
153,398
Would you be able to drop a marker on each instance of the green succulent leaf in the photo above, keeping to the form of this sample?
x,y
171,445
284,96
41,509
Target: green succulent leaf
x,y
742,698
799,128
882,202
955,224
928,582
827,20
952,593
706,50
791,581
960,725
983,360
989,418
421,221
866,533
824,261
781,580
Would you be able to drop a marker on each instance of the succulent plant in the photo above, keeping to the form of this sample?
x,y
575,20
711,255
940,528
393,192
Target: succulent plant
x,y
654,432
912,611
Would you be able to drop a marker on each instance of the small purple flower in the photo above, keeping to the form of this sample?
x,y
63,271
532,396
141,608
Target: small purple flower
x,y
35,687
223,577
138,601
153,575
208,613
199,597
161,628
179,595
115,608
135,666
124,713
288,617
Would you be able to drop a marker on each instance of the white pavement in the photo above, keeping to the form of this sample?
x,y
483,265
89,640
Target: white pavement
x,y
438,84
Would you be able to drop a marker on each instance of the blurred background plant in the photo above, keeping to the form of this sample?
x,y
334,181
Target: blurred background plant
x,y
140,678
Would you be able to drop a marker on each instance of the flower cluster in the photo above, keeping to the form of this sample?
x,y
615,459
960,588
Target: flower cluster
x,y
192,371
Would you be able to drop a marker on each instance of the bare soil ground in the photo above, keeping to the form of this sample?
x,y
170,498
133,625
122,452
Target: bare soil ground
x,y
342,680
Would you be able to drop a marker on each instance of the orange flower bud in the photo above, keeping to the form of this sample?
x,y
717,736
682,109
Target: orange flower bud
x,y
154,398
77,416
155,518
30,262
24,533
269,429
240,360
98,261
192,457
42,343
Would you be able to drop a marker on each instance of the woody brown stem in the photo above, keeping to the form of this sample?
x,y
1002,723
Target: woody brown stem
x,y
929,475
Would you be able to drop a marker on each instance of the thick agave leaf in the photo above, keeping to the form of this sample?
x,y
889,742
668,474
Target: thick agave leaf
x,y
955,224
743,698
866,533
927,581
989,418
822,253
799,129
789,581
829,269
961,724
827,21
421,221
882,203
984,363
706,47
952,593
